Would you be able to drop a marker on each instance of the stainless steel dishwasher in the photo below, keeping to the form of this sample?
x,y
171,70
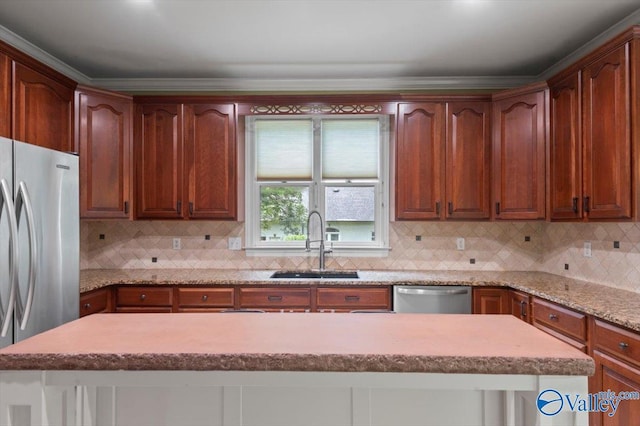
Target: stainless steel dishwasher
x,y
432,299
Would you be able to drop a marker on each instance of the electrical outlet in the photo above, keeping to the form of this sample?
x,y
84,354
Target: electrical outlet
x,y
177,244
460,243
235,243
586,251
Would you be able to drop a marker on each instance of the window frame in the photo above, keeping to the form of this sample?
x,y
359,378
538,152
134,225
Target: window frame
x,y
317,186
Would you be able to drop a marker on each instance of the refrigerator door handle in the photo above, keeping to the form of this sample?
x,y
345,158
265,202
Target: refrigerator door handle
x,y
24,310
6,202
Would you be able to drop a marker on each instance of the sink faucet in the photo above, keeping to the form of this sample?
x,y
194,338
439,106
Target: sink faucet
x,y
308,242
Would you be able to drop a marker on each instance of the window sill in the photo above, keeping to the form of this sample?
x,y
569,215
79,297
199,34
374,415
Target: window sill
x,y
300,252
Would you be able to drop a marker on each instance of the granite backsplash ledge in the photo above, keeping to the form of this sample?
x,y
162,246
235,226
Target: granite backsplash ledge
x,y
490,246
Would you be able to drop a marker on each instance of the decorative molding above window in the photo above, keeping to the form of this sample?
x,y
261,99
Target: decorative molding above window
x,y
316,109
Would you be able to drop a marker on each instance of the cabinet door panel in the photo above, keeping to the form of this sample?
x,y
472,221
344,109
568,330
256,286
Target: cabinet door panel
x,y
467,160
607,137
42,110
565,162
419,161
519,157
5,96
491,301
104,145
158,147
614,375
211,161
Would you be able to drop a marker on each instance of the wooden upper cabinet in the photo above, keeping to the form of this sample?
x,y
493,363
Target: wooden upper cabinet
x,y
158,157
607,136
419,161
468,167
104,133
565,149
42,109
519,144
210,161
5,96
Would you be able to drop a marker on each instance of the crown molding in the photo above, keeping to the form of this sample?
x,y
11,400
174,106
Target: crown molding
x,y
35,52
141,85
591,45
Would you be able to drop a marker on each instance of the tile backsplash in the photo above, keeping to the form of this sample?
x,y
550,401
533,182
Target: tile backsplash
x,y
414,246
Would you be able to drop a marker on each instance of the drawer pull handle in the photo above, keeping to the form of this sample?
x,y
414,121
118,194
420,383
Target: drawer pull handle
x,y
623,345
87,305
143,296
204,297
553,317
274,298
351,298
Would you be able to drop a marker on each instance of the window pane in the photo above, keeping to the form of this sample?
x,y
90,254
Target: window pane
x,y
284,149
283,213
350,213
350,149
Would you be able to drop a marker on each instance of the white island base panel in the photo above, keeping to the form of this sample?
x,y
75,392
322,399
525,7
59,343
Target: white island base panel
x,y
270,398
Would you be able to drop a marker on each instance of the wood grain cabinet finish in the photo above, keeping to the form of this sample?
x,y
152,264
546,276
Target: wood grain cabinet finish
x,y
42,109
5,96
205,299
158,152
607,136
420,161
95,301
354,298
275,298
561,322
616,352
565,149
490,300
520,305
519,149
467,165
144,299
104,132
210,158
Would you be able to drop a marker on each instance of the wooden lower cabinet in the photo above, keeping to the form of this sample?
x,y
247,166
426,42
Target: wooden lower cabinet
x,y
144,299
491,300
205,299
95,301
520,307
616,352
564,323
332,299
276,299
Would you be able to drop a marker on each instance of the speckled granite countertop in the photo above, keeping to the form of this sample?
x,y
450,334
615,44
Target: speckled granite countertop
x,y
617,306
482,344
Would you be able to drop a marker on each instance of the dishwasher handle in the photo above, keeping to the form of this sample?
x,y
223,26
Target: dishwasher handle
x,y
432,292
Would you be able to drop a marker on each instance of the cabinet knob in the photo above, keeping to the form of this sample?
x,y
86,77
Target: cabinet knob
x,y
143,296
623,345
553,317
87,306
204,297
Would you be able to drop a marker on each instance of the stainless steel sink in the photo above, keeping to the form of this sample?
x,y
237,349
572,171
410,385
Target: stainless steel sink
x,y
316,274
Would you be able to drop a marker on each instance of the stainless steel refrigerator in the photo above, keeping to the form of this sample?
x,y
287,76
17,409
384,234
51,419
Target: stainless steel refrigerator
x,y
39,240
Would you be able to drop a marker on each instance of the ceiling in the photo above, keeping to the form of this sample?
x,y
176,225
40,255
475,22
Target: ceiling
x,y
310,40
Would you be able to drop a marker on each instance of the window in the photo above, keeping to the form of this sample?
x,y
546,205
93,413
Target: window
x,y
335,165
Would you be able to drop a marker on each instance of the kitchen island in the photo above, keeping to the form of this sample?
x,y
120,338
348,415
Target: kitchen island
x,y
293,369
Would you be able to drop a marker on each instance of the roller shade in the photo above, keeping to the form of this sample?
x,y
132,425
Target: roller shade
x,y
350,149
284,149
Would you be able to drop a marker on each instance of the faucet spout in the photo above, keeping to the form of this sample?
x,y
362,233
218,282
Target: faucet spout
x,y
308,241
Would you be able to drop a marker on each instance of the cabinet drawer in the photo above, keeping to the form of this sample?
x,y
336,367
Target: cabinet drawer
x,y
275,297
560,319
94,302
205,297
617,341
374,298
144,296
